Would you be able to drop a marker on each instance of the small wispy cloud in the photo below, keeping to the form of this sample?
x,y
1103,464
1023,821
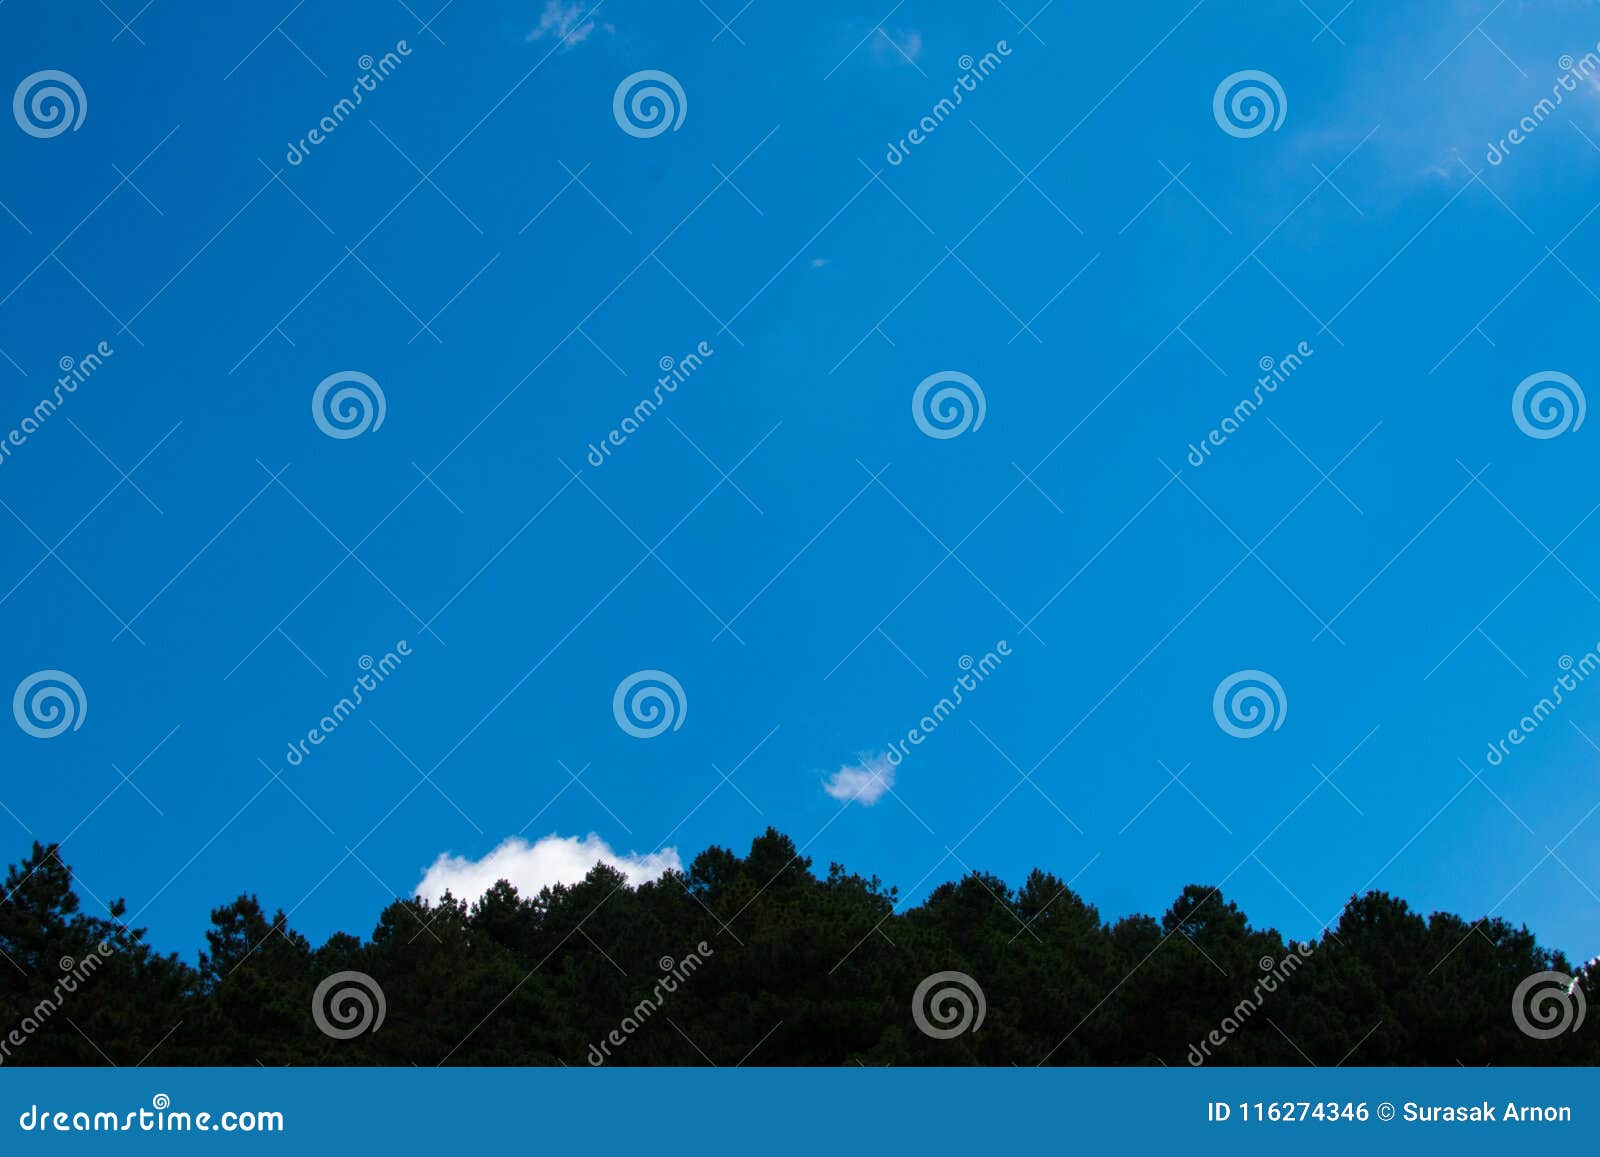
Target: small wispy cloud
x,y
905,45
532,867
566,23
864,783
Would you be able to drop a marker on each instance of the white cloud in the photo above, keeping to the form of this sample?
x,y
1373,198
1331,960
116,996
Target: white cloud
x,y
530,867
565,23
863,783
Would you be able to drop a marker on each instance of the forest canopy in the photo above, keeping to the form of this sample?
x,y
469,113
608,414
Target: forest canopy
x,y
760,960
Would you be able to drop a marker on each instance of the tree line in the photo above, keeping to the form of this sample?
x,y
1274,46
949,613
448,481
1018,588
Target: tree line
x,y
760,960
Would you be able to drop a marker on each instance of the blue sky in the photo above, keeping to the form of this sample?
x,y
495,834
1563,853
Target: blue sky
x,y
1080,237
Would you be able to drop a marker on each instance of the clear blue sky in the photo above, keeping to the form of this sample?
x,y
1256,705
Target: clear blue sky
x,y
1413,601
